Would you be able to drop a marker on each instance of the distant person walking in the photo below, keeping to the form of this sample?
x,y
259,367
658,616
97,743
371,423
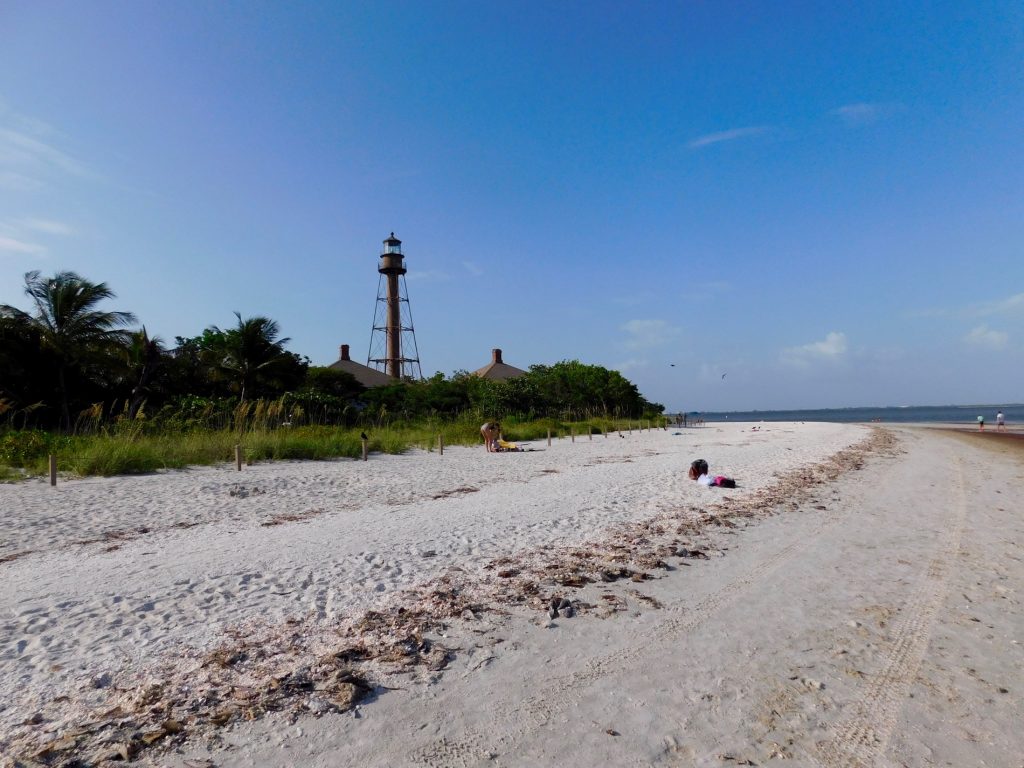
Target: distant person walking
x,y
1000,421
981,423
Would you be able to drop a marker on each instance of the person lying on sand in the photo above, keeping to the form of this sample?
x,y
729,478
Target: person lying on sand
x,y
699,472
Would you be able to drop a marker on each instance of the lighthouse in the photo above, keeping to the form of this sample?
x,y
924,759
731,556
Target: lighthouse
x,y
393,347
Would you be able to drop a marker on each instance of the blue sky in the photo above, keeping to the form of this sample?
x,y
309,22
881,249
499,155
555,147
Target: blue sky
x,y
824,201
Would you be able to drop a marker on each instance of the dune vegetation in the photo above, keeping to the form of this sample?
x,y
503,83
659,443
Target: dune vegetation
x,y
82,384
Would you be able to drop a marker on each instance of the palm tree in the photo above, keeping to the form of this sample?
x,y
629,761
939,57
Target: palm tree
x,y
69,324
144,356
251,351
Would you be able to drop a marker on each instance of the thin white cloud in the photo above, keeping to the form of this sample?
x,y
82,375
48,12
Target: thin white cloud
x,y
1005,306
12,245
25,123
730,135
1001,307
857,113
631,364
647,334
864,113
28,147
18,182
46,226
22,149
16,236
983,336
833,347
428,276
472,268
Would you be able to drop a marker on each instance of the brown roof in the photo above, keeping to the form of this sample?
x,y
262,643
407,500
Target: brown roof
x,y
496,370
365,375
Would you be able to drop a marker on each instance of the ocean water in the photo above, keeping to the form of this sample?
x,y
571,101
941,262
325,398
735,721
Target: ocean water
x,y
960,414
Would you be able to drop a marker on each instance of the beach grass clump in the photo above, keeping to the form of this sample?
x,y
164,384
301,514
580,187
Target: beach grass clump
x,y
394,442
117,457
309,443
10,474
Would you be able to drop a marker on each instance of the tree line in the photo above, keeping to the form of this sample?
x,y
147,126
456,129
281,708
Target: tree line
x,y
65,356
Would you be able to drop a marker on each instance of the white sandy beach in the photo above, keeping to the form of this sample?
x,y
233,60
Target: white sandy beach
x,y
876,620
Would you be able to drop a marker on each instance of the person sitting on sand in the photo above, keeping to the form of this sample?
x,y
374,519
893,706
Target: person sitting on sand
x,y
699,472
491,433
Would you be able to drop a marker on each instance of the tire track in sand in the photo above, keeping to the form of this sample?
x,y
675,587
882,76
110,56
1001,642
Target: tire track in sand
x,y
526,716
861,739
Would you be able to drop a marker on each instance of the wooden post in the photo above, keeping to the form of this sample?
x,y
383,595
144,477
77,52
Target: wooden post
x,y
440,445
590,433
238,458
630,428
549,437
53,469
366,449
572,432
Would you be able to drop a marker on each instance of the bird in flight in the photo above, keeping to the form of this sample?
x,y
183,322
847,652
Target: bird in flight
x,y
724,375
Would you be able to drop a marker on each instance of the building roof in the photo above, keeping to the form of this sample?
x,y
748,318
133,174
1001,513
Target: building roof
x,y
368,377
497,370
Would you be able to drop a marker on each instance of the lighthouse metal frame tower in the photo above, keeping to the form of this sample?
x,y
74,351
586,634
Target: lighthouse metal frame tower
x,y
393,336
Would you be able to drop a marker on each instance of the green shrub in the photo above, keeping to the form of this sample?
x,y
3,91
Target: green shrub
x,y
18,449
